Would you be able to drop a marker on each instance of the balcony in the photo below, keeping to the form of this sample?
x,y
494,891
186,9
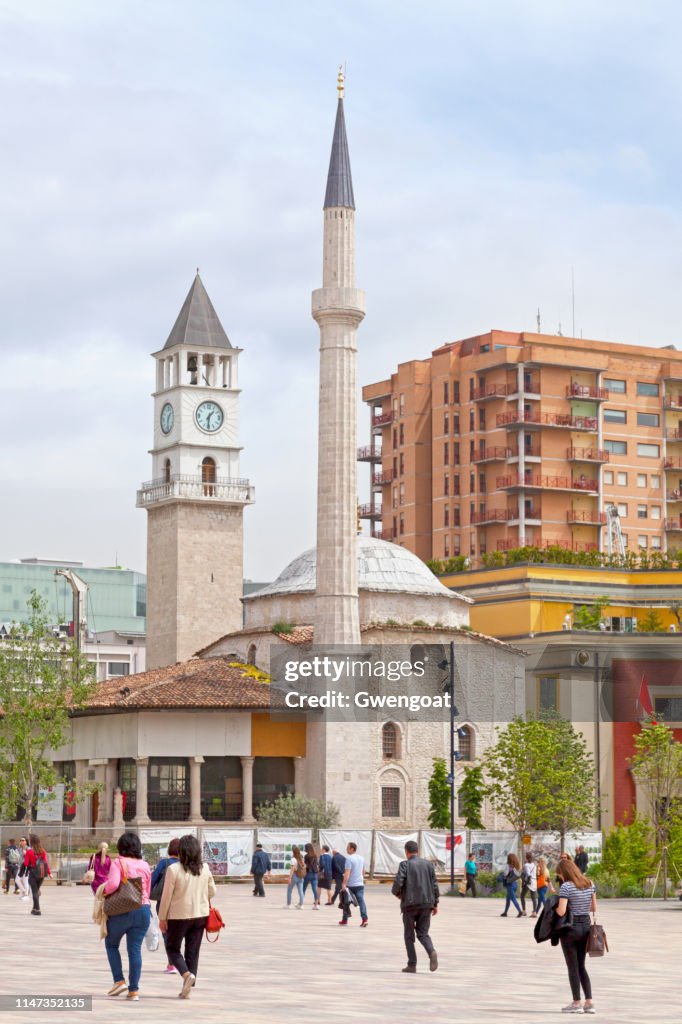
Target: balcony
x,y
585,517
673,434
180,487
537,483
369,453
536,419
492,515
518,420
673,525
369,512
495,454
489,391
672,402
384,534
673,462
586,392
382,419
586,455
383,478
674,496
527,388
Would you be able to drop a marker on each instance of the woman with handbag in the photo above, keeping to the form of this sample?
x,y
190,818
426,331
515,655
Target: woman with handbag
x,y
324,880
128,911
296,876
98,868
509,880
37,869
185,905
577,893
312,870
158,878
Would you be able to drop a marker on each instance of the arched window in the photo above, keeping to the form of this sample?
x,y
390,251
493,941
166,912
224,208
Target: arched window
x,y
390,741
466,744
167,471
208,476
251,656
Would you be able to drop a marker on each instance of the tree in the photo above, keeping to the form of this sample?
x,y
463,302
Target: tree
x,y
589,616
42,679
471,795
439,795
540,775
289,811
657,767
651,622
627,849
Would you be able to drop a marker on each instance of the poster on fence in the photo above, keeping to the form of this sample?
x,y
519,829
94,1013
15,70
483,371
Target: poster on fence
x,y
592,841
389,850
548,845
338,839
278,843
435,846
50,803
228,851
155,840
492,848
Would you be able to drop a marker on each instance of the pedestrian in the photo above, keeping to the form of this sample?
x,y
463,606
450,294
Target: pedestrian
x,y
158,878
581,859
22,873
37,870
187,891
100,863
312,870
529,884
509,880
324,879
416,886
13,859
577,893
296,876
260,866
134,924
544,882
338,871
470,870
354,881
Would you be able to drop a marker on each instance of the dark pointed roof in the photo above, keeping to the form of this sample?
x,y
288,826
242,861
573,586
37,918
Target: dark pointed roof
x,y
339,182
198,324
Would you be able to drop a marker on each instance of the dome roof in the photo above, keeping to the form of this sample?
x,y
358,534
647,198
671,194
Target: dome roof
x,y
381,567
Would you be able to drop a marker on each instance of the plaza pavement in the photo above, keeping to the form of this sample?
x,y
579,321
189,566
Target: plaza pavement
x,y
284,966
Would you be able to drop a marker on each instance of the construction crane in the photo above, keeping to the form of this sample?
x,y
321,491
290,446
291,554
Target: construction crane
x,y
79,590
615,542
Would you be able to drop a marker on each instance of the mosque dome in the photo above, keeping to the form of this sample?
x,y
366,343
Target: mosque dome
x,y
382,567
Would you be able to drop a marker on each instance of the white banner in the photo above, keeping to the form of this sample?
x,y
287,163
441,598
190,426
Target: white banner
x,y
491,849
155,840
592,841
50,803
389,850
548,845
228,851
435,846
338,839
278,843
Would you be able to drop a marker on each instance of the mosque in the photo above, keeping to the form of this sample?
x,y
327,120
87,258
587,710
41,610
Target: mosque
x,y
202,736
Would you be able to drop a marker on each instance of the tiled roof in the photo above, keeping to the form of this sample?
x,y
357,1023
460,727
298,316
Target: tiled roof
x,y
198,683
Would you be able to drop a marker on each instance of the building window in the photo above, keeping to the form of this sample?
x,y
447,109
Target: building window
x,y
472,450
455,484
616,447
648,419
622,479
402,494
615,416
617,386
622,510
465,742
395,466
455,391
446,546
395,407
642,540
455,454
446,424
472,388
641,511
481,483
649,451
390,741
608,476
655,511
446,485
650,390
548,693
401,433
402,463
656,543
390,801
251,655
481,419
118,668
456,516
455,545
395,438
669,708
655,481
167,471
395,497
402,405
641,479
402,523
446,398
446,453
446,515
472,483
455,423
208,475
472,420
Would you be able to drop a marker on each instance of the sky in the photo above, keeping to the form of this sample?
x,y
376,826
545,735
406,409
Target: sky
x,y
496,149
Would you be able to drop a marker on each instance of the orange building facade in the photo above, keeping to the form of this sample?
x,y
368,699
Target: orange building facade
x,y
506,440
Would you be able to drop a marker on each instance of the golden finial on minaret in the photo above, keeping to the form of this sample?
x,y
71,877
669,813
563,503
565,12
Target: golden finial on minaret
x,y
339,82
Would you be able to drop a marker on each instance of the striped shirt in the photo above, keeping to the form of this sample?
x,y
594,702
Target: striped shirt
x,y
579,900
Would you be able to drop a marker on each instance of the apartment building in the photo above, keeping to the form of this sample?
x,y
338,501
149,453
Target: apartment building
x,y
505,440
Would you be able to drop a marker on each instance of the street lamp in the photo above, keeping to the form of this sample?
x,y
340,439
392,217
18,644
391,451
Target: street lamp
x,y
449,687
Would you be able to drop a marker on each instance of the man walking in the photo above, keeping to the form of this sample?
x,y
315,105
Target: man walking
x,y
581,859
470,871
354,881
260,865
338,871
13,861
416,886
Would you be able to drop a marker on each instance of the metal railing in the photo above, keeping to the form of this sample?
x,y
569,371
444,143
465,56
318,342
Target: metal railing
x,y
180,485
586,455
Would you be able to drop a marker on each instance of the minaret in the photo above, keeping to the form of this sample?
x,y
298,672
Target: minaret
x,y
338,307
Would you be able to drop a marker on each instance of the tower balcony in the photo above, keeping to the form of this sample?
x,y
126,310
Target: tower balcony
x,y
586,455
369,511
497,453
368,453
586,392
673,434
382,478
180,487
489,391
673,525
672,402
674,495
382,419
515,420
585,517
386,534
492,515
540,483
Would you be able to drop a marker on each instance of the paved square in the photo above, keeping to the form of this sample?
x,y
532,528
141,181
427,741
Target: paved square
x,y
284,966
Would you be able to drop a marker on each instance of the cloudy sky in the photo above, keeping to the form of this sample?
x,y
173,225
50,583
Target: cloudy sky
x,y
494,146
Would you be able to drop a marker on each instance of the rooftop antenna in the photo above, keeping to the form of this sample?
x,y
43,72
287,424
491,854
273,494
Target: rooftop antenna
x,y
559,331
538,321
572,302
340,79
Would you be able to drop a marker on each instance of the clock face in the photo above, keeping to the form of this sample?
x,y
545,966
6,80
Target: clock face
x,y
167,418
209,417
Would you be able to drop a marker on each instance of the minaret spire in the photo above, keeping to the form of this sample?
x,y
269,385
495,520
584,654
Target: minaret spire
x,y
338,307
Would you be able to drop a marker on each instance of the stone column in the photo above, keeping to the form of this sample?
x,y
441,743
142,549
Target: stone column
x,y
118,822
107,803
299,767
247,789
141,815
195,764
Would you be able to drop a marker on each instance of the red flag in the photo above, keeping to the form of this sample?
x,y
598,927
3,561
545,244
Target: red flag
x,y
644,699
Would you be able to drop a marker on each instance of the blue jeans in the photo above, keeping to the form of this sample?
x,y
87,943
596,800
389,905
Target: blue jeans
x,y
310,879
134,926
359,893
511,897
542,896
298,882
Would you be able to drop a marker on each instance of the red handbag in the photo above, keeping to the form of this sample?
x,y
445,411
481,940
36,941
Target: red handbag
x,y
214,922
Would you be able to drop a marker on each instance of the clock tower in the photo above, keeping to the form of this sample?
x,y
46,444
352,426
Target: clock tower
x,y
195,499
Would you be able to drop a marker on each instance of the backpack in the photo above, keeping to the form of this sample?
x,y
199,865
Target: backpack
x,y
13,856
300,869
39,869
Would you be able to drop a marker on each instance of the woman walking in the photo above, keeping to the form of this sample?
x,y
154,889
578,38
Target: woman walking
x,y
529,884
312,869
37,869
100,863
133,924
158,878
296,876
578,894
544,882
324,880
509,880
187,892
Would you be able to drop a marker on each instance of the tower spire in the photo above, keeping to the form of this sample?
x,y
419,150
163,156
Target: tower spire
x,y
339,181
